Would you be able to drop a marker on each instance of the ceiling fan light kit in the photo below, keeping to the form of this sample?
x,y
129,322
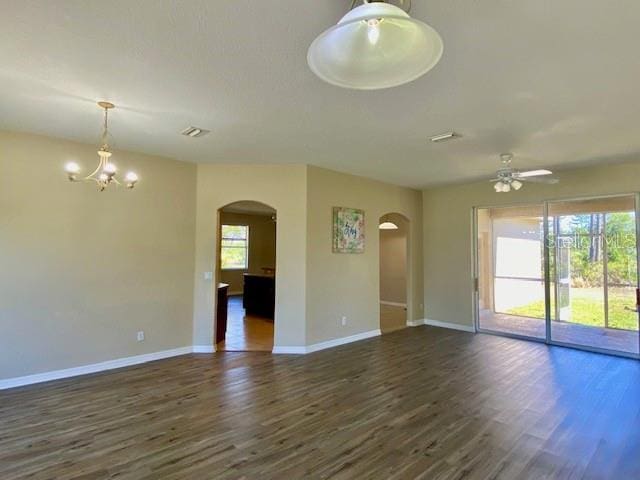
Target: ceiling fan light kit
x,y
376,45
105,173
510,179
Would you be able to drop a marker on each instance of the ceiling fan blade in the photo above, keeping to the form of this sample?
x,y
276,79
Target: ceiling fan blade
x,y
534,173
495,179
540,180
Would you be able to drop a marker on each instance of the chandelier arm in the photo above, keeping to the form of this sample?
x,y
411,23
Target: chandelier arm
x,y
101,164
92,174
87,179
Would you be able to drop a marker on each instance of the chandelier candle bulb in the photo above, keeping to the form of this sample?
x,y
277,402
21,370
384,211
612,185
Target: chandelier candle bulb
x,y
131,178
110,169
72,167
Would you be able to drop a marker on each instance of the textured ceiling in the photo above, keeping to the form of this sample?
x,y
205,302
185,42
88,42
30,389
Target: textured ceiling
x,y
554,82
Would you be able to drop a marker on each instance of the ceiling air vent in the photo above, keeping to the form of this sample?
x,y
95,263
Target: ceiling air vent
x,y
194,132
445,137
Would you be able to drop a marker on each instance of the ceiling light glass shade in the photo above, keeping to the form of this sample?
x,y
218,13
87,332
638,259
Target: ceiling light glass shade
x,y
504,187
388,226
110,168
375,45
72,168
516,184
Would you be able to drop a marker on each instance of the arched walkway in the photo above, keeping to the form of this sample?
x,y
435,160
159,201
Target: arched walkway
x,y
245,275
394,271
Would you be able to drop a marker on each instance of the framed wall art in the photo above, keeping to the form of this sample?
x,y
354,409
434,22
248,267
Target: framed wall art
x,y
348,230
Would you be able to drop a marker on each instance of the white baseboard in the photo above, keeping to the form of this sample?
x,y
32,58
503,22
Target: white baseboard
x,y
92,368
453,326
203,349
393,304
415,323
289,350
300,350
149,357
344,340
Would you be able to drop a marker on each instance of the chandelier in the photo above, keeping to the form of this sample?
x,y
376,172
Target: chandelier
x,y
376,45
105,173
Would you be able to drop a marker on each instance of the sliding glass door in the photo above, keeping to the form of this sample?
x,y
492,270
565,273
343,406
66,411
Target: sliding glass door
x,y
594,273
561,272
511,292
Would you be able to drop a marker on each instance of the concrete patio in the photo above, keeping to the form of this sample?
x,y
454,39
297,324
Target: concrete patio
x,y
565,332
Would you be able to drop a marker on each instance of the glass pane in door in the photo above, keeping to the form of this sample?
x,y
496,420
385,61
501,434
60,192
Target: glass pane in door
x,y
593,270
511,294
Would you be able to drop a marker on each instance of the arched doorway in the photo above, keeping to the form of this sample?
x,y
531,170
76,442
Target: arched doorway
x,y
394,271
245,274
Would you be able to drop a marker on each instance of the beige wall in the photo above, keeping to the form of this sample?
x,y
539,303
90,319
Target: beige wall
x,y
348,284
262,247
82,271
393,260
282,187
447,229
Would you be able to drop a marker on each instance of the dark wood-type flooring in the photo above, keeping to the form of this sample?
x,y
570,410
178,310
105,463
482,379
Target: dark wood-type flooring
x,y
246,333
421,402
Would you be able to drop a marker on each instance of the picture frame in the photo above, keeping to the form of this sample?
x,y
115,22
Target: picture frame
x,y
348,230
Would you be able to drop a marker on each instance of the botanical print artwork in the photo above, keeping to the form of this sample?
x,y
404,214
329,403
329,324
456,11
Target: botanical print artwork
x,y
348,230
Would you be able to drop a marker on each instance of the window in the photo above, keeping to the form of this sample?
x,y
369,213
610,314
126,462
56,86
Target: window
x,y
234,251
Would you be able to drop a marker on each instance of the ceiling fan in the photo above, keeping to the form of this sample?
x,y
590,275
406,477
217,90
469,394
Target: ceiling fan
x,y
508,178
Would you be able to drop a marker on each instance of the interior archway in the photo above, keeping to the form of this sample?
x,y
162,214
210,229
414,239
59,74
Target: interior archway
x,y
245,277
394,271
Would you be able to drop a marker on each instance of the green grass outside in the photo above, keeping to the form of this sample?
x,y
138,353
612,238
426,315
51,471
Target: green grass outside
x,y
587,308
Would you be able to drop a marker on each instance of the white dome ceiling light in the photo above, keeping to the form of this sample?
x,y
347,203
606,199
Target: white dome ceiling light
x,y
376,45
388,226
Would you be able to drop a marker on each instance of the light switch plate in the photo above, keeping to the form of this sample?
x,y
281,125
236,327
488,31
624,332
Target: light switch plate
x,y
208,275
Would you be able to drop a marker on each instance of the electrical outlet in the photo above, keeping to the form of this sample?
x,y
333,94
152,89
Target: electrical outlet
x,y
344,321
140,336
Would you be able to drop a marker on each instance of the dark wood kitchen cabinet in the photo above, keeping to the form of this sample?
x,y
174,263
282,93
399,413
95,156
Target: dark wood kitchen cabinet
x,y
259,297
221,312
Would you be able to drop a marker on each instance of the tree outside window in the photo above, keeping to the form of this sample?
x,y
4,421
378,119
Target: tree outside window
x,y
234,251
